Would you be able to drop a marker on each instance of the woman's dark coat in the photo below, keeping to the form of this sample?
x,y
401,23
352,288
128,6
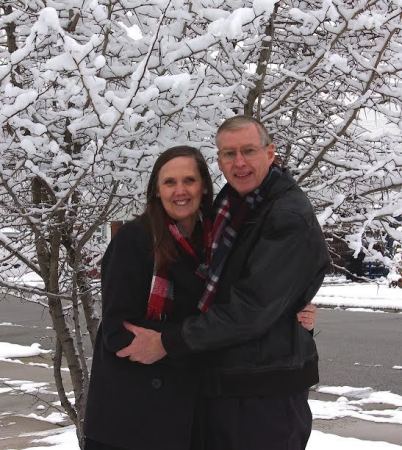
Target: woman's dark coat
x,y
130,405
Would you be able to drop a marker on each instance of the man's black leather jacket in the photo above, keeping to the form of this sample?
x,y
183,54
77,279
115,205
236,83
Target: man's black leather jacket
x,y
276,266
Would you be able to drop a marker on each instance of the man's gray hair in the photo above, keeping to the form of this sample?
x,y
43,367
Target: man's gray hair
x,y
237,122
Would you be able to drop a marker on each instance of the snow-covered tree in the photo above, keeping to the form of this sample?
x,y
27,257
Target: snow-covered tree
x,y
87,100
92,90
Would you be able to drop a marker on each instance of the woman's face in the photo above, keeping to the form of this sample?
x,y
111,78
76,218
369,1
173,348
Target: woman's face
x,y
180,188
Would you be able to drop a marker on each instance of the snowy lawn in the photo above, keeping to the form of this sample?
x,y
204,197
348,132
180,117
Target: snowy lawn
x,y
359,295
66,440
8,350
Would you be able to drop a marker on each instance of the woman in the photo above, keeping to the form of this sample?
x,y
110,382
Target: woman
x,y
151,277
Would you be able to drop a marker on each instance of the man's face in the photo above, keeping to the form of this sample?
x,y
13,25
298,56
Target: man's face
x,y
242,158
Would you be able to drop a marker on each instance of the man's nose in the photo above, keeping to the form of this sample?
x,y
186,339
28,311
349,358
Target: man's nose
x,y
239,159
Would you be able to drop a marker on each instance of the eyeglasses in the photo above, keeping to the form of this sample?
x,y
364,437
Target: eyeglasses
x,y
247,153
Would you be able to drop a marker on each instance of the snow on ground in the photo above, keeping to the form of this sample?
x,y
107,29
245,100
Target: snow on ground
x,y
28,387
44,365
8,350
343,407
58,440
67,440
54,417
319,440
25,385
363,394
341,293
30,279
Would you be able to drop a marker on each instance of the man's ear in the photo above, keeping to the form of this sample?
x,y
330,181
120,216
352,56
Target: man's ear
x,y
271,152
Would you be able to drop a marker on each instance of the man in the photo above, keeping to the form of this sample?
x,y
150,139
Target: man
x,y
262,361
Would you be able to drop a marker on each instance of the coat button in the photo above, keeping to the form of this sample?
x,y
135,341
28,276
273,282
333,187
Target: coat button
x,y
156,383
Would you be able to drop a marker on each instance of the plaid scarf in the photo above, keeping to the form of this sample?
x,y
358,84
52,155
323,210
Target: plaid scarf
x,y
232,211
161,297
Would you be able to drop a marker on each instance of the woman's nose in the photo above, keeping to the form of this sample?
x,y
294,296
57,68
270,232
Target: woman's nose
x,y
180,188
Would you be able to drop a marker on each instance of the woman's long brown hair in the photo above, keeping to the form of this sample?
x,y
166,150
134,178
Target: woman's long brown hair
x,y
164,245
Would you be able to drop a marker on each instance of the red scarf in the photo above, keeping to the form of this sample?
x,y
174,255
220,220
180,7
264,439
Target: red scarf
x,y
160,301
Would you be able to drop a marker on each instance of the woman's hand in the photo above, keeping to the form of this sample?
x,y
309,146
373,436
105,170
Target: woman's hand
x,y
146,347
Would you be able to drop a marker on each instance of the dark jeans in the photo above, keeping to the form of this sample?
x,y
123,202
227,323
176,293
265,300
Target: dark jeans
x,y
250,423
94,445
258,423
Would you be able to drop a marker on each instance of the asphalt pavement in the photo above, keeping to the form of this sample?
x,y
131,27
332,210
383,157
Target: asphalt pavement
x,y
360,349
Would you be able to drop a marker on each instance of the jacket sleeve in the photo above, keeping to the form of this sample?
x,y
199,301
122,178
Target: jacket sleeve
x,y
126,278
283,270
